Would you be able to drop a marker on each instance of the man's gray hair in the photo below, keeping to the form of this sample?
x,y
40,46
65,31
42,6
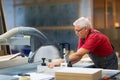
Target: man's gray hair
x,y
82,22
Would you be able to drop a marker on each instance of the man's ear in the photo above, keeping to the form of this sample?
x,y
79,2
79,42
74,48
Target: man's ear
x,y
86,28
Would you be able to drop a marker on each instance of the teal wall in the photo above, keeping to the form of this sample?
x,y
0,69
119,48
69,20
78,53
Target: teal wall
x,y
62,14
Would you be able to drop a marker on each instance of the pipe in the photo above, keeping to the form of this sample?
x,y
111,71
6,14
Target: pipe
x,y
23,30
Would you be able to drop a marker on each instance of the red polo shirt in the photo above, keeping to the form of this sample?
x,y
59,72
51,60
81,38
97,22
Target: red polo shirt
x,y
97,43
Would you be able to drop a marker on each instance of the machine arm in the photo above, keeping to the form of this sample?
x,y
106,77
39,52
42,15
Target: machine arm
x,y
37,38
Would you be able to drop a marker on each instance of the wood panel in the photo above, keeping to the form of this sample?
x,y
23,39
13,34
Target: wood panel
x,y
5,49
6,62
78,74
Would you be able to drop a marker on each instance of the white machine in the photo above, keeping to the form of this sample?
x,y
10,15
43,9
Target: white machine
x,y
38,42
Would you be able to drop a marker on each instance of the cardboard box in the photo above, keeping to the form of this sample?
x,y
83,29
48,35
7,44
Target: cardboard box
x,y
78,74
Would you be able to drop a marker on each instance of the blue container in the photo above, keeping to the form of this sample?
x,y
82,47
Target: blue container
x,y
26,51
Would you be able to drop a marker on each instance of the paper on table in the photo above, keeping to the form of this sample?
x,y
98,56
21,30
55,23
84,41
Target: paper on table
x,y
86,60
40,76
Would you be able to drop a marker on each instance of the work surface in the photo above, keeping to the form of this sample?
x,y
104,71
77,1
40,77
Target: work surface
x,y
28,68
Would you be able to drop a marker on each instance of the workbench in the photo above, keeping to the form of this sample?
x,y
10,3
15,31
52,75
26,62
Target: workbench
x,y
32,67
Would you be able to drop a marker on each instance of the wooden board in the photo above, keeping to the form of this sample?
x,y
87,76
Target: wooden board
x,y
5,62
4,48
118,63
78,74
118,66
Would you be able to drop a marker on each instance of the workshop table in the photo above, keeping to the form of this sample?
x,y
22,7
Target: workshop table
x,y
32,67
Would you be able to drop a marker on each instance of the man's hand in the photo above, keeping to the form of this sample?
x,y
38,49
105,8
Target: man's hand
x,y
55,64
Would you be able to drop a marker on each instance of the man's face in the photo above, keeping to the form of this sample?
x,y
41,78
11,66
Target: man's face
x,y
80,32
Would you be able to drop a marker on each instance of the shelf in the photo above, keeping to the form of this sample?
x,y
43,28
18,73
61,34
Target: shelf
x,y
56,28
43,2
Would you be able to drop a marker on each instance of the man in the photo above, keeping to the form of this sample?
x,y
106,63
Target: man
x,y
93,43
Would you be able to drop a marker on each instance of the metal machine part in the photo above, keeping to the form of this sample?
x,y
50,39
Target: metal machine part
x,y
66,59
47,51
37,40
65,53
65,48
34,33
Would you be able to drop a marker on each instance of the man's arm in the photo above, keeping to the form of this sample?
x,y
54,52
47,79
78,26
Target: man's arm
x,y
75,57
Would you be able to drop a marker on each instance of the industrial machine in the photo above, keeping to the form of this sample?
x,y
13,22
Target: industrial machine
x,y
37,40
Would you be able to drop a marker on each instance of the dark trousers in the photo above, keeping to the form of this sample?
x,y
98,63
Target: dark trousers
x,y
109,62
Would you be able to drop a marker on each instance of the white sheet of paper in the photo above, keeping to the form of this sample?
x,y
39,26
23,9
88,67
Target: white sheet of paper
x,y
40,76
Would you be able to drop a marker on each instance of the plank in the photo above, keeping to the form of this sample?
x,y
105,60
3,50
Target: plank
x,y
78,74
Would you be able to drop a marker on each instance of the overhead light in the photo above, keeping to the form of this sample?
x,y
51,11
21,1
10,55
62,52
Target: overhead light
x,y
117,25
